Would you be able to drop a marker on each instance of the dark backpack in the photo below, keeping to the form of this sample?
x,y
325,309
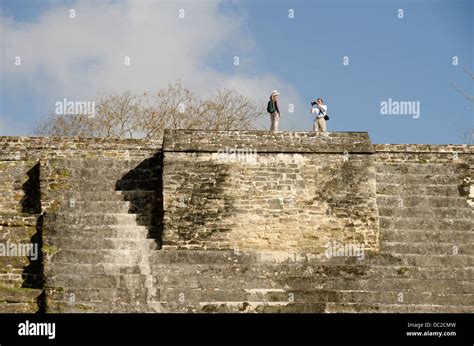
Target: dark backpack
x,y
271,107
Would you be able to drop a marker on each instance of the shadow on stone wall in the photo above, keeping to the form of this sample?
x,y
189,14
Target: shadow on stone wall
x,y
33,273
142,187
31,201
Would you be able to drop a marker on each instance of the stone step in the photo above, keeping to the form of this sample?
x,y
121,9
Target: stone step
x,y
19,295
87,243
305,283
19,232
419,179
141,221
12,277
396,308
107,207
426,212
14,219
190,257
417,168
429,224
166,256
448,261
104,185
107,231
196,295
19,276
236,307
54,164
11,194
12,262
106,173
279,307
86,295
271,270
422,202
74,281
97,207
227,257
125,257
140,173
14,282
112,195
10,206
314,270
122,306
395,235
425,190
430,248
399,285
144,184
92,219
111,162
98,268
18,308
149,221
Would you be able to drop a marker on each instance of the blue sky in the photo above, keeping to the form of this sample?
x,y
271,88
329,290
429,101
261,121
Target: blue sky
x,y
408,59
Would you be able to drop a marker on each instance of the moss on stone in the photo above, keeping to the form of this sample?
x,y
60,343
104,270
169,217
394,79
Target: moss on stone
x,y
54,206
83,307
402,270
63,173
49,250
59,186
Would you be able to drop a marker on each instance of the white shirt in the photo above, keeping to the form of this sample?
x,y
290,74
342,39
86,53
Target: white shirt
x,y
319,114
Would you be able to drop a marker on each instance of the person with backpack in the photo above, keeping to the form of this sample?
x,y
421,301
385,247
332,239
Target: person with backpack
x,y
321,110
272,108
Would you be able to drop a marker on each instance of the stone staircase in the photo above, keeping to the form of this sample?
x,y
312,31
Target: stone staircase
x,y
426,262
21,281
102,233
109,258
101,229
427,223
218,281
20,278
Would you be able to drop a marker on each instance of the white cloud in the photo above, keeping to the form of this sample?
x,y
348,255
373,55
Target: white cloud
x,y
77,58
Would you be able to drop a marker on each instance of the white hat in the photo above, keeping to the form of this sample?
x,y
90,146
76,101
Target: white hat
x,y
275,92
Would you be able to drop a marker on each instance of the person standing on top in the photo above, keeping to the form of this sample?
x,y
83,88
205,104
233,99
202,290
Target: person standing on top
x,y
320,110
274,111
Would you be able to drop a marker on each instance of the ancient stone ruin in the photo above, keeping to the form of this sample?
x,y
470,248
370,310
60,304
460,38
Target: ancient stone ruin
x,y
235,221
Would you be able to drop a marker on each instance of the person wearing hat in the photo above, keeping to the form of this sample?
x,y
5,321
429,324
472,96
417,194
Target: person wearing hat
x,y
321,110
272,108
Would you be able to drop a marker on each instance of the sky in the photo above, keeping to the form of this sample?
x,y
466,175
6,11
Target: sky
x,y
356,55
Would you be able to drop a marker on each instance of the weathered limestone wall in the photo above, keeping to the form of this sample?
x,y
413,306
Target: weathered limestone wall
x,y
244,230
257,190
